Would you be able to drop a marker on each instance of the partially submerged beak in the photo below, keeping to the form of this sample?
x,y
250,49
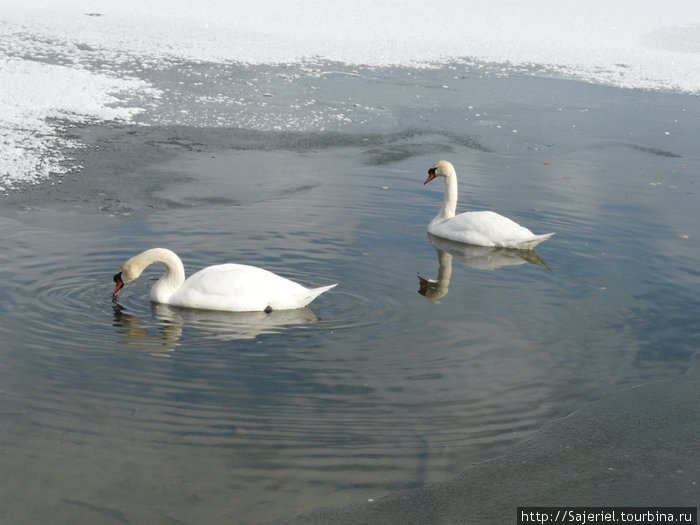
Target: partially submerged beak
x,y
431,176
120,284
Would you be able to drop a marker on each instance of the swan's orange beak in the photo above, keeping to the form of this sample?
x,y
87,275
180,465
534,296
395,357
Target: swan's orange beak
x,y
120,284
431,176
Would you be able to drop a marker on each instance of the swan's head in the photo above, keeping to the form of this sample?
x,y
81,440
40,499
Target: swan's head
x,y
431,289
441,168
126,273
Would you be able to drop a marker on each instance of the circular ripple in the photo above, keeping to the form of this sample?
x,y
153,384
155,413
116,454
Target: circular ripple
x,y
351,384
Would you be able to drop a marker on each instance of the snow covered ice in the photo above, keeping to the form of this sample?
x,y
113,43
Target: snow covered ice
x,y
76,61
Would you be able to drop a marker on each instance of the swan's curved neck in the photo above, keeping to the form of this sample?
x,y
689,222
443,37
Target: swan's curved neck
x,y
450,204
174,274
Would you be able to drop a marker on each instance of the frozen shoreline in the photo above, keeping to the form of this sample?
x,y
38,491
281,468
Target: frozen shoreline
x,y
648,45
87,61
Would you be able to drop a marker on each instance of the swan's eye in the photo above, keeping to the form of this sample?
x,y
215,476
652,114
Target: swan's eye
x,y
431,171
118,277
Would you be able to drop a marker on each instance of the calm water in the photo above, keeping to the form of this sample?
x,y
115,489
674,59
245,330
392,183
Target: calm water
x,y
129,412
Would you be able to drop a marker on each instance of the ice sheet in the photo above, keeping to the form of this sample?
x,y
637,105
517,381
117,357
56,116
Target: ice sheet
x,y
70,59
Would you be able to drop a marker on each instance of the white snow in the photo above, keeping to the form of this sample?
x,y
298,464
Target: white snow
x,y
34,100
61,59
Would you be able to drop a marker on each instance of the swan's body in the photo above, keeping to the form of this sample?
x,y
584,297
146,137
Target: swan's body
x,y
229,287
481,228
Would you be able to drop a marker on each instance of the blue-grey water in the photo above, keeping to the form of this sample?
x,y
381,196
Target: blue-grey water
x,y
128,412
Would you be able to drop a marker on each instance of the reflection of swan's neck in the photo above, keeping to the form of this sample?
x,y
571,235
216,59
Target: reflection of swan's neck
x,y
444,273
438,288
138,335
450,204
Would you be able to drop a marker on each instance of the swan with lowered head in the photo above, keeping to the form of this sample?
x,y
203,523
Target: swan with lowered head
x,y
229,287
482,228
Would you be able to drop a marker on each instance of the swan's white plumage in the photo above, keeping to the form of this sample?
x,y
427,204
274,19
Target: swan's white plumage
x,y
229,287
481,228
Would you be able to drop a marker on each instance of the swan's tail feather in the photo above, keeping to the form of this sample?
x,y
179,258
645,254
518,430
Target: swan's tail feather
x,y
315,292
535,240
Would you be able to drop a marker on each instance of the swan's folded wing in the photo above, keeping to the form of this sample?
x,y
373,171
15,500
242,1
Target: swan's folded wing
x,y
487,228
241,288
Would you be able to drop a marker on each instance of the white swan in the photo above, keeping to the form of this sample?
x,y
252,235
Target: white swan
x,y
482,228
229,287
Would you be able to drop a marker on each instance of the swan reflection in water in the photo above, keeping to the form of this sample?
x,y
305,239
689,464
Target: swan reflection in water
x,y
477,257
164,336
141,335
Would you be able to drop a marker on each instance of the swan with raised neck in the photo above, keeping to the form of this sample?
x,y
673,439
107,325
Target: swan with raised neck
x,y
228,287
481,228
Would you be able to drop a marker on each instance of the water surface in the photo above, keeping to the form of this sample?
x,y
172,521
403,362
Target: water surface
x,y
127,412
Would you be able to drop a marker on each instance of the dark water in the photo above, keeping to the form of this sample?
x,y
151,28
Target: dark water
x,y
134,413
